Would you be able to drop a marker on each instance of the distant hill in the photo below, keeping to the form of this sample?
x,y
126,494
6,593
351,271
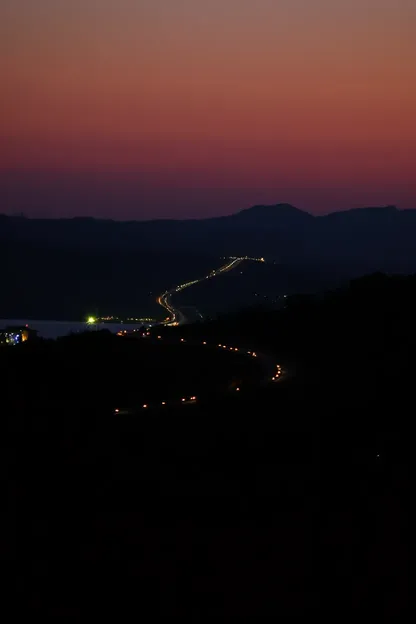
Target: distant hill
x,y
280,215
356,241
90,260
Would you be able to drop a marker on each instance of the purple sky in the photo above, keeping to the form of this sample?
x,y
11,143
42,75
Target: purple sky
x,y
184,108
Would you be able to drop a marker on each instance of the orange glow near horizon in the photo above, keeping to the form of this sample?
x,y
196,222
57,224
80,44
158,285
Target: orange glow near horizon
x,y
246,99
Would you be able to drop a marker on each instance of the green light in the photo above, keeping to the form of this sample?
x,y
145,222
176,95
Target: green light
x,y
91,320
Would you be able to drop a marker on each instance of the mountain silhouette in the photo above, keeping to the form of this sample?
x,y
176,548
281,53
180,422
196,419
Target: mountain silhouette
x,y
64,268
353,241
278,215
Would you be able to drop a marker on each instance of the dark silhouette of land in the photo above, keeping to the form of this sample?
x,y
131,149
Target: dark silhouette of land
x,y
63,268
287,499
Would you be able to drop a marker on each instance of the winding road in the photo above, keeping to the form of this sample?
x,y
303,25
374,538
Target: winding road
x,y
273,373
176,317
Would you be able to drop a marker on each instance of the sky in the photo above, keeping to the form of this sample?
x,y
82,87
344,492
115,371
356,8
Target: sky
x,y
191,108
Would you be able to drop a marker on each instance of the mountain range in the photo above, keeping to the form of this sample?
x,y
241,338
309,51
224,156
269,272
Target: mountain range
x,y
351,243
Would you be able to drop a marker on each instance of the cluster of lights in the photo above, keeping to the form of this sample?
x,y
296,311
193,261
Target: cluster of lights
x,y
142,320
278,373
221,346
163,299
91,320
186,285
125,332
11,338
247,258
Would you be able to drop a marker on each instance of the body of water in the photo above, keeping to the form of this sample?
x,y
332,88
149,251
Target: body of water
x,y
55,329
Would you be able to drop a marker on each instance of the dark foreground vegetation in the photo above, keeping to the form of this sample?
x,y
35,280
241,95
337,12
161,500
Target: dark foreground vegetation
x,y
284,500
101,370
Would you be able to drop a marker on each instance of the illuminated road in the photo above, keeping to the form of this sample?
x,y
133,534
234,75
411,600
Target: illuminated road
x,y
176,317
273,373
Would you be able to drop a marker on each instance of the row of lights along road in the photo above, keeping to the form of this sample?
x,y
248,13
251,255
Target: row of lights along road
x,y
193,399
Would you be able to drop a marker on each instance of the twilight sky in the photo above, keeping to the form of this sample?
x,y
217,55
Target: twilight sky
x,y
161,108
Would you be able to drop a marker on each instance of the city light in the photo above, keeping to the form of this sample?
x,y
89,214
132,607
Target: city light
x,y
91,320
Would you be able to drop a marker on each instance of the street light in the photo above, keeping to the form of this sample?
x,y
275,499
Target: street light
x,y
91,320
